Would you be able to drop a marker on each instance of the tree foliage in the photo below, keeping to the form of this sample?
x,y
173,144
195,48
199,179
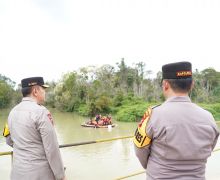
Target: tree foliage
x,y
124,91
6,91
108,89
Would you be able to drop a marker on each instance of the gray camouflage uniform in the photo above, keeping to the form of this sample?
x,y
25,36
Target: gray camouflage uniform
x,y
183,136
36,154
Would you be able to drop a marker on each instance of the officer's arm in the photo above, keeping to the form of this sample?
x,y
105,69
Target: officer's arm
x,y
142,154
9,140
6,134
51,146
142,148
216,138
142,139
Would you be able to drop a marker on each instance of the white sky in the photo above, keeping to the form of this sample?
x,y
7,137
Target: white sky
x,y
51,37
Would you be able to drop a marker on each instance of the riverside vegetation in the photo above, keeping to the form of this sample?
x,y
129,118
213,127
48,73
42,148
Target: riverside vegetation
x,y
124,92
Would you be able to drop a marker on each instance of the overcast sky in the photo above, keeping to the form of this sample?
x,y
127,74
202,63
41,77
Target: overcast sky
x,y
51,37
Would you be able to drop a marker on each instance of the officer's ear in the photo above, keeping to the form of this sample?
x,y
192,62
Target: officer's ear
x,y
34,90
165,84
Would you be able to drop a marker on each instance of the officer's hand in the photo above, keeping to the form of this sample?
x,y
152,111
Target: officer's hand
x,y
64,178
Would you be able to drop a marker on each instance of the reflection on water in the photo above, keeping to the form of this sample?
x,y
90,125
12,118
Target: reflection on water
x,y
106,160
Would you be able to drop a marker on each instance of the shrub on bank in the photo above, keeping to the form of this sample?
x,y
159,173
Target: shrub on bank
x,y
133,112
214,109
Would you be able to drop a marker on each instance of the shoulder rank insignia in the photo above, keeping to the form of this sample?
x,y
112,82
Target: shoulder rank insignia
x,y
6,130
141,139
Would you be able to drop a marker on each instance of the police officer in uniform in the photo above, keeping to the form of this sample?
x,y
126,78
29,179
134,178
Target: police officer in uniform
x,y
31,133
174,139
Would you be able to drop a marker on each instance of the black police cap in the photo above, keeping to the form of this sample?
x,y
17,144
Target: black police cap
x,y
178,70
28,82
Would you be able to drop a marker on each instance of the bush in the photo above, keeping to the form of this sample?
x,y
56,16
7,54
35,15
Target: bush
x,y
83,110
214,109
6,92
132,113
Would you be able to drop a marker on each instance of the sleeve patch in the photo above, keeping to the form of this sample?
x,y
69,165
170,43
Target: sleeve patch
x,y
141,138
6,131
50,118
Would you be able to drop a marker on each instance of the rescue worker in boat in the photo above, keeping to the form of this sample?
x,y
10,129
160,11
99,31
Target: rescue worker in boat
x,y
97,118
104,120
174,140
93,121
109,118
30,131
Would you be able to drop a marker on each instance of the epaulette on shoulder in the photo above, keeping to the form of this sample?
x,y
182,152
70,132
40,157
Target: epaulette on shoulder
x,y
155,106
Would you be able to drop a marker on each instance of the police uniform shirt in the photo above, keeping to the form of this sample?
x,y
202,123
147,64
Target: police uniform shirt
x,y
180,138
36,154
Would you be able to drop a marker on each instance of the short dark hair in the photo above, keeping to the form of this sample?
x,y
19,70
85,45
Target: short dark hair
x,y
26,91
180,85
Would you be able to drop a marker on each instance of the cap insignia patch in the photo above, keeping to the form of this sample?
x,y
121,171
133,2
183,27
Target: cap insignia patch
x,y
32,83
183,73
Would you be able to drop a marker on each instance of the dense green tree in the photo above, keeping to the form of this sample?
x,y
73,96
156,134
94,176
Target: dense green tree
x,y
66,96
206,86
123,90
6,91
50,97
107,89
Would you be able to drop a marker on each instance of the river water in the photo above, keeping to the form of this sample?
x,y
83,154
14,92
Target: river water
x,y
99,161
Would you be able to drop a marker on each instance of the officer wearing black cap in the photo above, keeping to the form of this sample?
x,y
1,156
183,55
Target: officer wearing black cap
x,y
28,82
31,133
174,139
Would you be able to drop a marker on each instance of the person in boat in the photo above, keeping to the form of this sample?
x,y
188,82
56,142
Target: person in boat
x,y
174,139
109,118
104,120
97,118
90,122
32,135
93,121
101,122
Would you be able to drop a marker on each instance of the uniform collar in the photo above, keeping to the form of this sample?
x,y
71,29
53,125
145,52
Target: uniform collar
x,y
28,99
179,99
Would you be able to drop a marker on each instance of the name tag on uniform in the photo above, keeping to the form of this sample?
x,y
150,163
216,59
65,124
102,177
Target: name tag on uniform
x,y
141,138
